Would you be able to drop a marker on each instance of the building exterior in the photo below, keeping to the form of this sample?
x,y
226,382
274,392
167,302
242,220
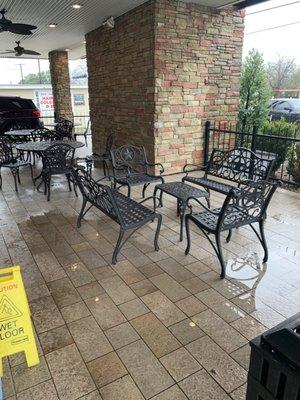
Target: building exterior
x,y
43,98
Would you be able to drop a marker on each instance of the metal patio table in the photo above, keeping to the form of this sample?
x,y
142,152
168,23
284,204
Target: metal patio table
x,y
182,192
53,124
19,132
39,147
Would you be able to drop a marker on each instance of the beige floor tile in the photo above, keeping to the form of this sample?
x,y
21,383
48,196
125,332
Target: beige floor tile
x,y
163,308
106,369
49,266
45,390
219,330
133,308
180,364
194,285
79,274
167,285
7,380
25,377
75,311
45,314
123,388
219,364
186,331
117,290
70,375
63,292
145,369
121,335
191,306
173,393
248,327
135,256
91,259
105,311
198,268
89,290
201,386
95,395
89,338
155,334
220,305
176,270
143,287
242,356
55,339
150,270
128,272
227,288
240,393
103,273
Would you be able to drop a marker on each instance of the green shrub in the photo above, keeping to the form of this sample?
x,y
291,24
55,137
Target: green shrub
x,y
294,162
271,145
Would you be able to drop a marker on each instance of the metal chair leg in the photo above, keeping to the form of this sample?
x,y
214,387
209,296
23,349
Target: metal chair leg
x,y
159,217
263,240
188,235
80,216
15,173
144,189
229,236
220,255
31,172
118,244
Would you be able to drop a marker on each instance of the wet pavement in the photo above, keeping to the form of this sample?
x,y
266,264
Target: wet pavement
x,y
158,325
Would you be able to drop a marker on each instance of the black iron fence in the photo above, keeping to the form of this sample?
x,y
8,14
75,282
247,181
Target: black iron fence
x,y
279,148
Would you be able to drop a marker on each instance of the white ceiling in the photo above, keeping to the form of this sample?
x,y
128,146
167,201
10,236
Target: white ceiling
x,y
72,24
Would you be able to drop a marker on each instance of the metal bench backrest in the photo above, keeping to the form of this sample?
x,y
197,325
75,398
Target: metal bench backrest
x,y
99,195
239,165
247,204
6,152
128,159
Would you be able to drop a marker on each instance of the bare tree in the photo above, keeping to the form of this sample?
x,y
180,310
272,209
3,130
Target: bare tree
x,y
280,72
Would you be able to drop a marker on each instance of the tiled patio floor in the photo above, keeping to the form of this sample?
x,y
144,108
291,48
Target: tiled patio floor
x,y
158,325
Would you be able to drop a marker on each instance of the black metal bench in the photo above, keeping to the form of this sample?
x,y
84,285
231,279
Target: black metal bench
x,y
131,168
126,212
242,206
237,165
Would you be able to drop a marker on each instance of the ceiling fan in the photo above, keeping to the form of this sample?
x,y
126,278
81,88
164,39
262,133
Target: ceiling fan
x,y
19,51
8,26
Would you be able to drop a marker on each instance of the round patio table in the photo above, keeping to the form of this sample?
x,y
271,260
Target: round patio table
x,y
55,123
19,132
39,147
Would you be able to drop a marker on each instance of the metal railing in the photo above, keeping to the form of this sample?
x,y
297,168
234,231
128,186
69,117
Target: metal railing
x,y
227,137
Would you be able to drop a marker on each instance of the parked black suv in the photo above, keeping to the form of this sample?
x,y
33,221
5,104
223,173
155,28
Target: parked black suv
x,y
289,109
18,113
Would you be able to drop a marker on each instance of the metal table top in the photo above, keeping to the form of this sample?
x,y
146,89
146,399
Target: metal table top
x,y
43,145
19,132
181,190
55,123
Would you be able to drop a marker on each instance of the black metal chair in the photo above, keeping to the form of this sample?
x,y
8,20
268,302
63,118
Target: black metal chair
x,y
84,133
57,160
9,160
102,158
64,129
128,213
244,206
131,168
41,134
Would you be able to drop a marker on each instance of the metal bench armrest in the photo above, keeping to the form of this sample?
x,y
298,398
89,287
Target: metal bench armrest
x,y
202,205
162,170
198,168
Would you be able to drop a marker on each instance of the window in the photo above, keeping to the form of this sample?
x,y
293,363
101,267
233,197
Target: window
x,y
78,99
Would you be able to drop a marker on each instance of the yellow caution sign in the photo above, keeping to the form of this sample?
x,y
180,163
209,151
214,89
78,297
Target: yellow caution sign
x,y
16,333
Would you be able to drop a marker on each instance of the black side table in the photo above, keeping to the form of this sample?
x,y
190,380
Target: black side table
x,y
181,191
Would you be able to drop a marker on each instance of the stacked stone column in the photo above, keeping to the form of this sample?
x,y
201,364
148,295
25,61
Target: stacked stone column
x,y
60,79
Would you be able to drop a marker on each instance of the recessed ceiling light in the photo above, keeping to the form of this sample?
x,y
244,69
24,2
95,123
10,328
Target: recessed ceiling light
x,y
52,25
76,6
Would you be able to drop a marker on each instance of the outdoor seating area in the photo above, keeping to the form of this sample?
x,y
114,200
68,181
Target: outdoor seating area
x,y
149,201
94,317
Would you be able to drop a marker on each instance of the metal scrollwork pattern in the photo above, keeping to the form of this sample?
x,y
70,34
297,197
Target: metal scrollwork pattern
x,y
129,159
239,165
6,154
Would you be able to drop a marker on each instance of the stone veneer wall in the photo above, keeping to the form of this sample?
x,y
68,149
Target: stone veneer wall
x,y
121,80
198,53
165,68
60,78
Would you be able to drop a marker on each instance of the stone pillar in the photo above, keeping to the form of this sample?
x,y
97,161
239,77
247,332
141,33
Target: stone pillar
x,y
60,78
164,69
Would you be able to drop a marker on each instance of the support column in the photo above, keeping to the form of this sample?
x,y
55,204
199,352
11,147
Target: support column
x,y
60,78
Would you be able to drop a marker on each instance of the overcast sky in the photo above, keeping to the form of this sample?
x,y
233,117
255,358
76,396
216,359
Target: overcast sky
x,y
283,40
